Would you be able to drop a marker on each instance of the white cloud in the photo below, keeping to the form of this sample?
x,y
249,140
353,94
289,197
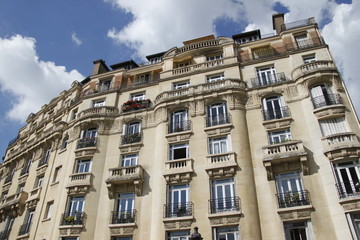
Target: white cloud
x,y
76,39
30,81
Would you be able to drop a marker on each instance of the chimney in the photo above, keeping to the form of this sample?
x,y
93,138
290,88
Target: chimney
x,y
99,67
278,21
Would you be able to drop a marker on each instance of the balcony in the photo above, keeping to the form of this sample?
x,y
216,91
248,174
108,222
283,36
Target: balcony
x,y
123,217
312,68
34,197
80,179
131,138
296,24
293,199
217,120
348,189
269,79
328,100
131,105
198,45
305,44
176,210
132,176
178,171
99,112
221,165
340,146
261,54
181,126
86,143
72,218
197,67
223,205
101,89
13,205
277,113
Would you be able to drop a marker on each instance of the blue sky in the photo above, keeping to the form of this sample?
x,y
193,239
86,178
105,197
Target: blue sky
x,y
46,45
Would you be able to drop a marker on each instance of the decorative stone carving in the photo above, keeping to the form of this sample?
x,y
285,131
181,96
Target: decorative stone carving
x,y
296,213
178,223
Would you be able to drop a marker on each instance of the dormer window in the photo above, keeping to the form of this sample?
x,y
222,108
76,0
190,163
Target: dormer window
x,y
104,85
214,57
142,79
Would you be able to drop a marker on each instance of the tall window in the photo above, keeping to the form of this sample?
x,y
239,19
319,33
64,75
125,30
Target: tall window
x,y
7,227
39,181
49,209
125,208
321,95
218,145
179,121
266,75
64,142
132,128
333,126
348,177
178,201
57,172
223,196
83,166
25,228
178,235
89,133
217,115
129,160
26,168
279,136
274,108
300,230
45,158
132,133
179,151
226,233
76,206
354,222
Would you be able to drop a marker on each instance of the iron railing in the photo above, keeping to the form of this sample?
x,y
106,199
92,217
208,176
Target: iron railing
x,y
293,199
131,138
326,100
276,113
72,218
86,142
217,120
24,228
173,210
268,79
348,189
220,205
180,126
304,44
118,217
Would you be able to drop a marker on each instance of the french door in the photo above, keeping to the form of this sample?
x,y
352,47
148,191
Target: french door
x,y
179,121
223,195
217,114
348,176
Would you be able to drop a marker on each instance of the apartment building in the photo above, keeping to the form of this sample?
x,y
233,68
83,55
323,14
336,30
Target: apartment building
x,y
245,137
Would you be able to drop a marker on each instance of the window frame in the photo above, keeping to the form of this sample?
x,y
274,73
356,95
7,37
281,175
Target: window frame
x,y
219,140
177,146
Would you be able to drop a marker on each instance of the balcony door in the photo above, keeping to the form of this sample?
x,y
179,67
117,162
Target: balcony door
x,y
179,121
348,176
133,128
76,205
290,189
321,94
217,114
266,75
273,107
223,193
125,205
179,196
90,133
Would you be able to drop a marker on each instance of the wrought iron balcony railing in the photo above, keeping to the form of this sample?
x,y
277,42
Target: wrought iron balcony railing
x,y
73,218
180,126
134,105
348,189
268,79
293,199
24,228
131,138
220,205
173,210
119,217
326,100
217,120
276,113
304,44
86,142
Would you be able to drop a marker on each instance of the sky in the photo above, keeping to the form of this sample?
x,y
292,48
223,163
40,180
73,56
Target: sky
x,y
46,45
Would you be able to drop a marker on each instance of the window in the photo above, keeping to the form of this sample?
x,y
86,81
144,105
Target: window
x,y
104,85
46,156
90,133
25,228
226,233
302,41
124,208
99,103
265,75
74,114
178,235
26,168
182,64
214,57
309,58
290,190
49,209
279,136
262,52
179,121
333,126
274,108
218,145
131,133
39,181
354,222
132,128
348,178
138,96
129,160
217,115
180,85
57,173
121,238
20,188
223,196
300,230
142,78
76,206
155,60
178,201
321,95
83,166
4,195
214,78
179,151
65,142
7,226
